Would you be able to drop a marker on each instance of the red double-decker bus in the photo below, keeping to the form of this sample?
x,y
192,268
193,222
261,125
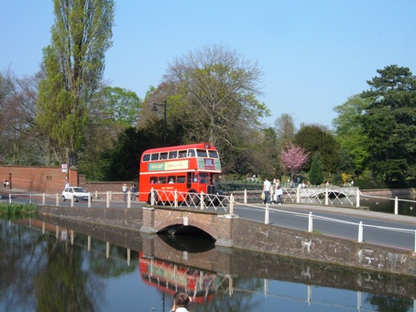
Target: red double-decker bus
x,y
187,169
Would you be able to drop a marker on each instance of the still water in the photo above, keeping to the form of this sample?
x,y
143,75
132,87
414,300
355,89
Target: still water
x,y
58,265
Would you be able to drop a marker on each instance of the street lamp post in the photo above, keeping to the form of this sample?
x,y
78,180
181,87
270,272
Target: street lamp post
x,y
154,108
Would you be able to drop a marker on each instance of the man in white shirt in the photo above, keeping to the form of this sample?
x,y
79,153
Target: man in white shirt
x,y
266,190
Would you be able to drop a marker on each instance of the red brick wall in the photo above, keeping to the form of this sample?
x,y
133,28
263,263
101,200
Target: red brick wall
x,y
51,180
36,179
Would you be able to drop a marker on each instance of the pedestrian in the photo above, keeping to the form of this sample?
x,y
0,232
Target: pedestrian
x,y
133,192
275,186
266,191
181,301
279,194
125,192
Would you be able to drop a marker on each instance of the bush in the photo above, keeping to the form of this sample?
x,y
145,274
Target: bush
x,y
17,210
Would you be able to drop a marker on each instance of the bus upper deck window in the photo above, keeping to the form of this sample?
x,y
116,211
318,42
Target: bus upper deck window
x,y
182,154
163,155
202,153
146,157
173,155
213,154
155,156
191,153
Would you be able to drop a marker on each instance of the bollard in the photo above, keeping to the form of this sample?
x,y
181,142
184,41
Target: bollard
x,y
396,205
30,199
108,200
10,198
266,214
231,204
72,201
152,197
245,196
310,222
358,198
202,200
96,194
128,199
326,197
43,199
297,195
89,200
360,232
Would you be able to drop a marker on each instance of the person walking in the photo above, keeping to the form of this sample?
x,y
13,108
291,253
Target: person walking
x,y
266,191
124,192
133,192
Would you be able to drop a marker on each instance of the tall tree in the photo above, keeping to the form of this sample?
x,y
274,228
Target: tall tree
x,y
74,66
349,130
390,123
316,174
316,138
285,129
215,98
19,140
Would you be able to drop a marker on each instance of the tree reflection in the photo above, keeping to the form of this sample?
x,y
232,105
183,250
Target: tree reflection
x,y
63,285
388,304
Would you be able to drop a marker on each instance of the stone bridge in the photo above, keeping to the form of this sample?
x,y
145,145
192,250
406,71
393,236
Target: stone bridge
x,y
216,225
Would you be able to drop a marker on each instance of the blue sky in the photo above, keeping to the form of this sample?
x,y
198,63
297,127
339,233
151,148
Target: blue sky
x,y
314,54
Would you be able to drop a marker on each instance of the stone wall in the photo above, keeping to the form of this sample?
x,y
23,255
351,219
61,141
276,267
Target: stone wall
x,y
276,240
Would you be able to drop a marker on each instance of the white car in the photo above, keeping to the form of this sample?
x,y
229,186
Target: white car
x,y
76,192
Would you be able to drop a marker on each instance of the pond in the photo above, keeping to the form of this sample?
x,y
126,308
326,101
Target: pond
x,y
61,265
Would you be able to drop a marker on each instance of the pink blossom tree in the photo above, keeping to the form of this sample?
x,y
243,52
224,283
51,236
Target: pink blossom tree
x,y
293,158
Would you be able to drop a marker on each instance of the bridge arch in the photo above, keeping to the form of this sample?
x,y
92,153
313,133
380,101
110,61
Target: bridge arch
x,y
218,226
178,224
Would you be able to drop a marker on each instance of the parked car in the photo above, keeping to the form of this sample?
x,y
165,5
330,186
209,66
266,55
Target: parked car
x,y
77,192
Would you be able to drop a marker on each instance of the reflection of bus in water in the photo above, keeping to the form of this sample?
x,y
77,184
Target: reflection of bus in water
x,y
188,169
199,285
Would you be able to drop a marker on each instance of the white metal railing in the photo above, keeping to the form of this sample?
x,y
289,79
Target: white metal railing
x,y
349,196
191,200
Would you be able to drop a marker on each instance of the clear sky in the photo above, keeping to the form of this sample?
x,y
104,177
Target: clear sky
x,y
314,54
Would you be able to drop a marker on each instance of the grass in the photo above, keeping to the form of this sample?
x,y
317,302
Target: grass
x,y
17,210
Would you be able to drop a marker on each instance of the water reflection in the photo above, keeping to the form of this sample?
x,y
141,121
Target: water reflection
x,y
63,265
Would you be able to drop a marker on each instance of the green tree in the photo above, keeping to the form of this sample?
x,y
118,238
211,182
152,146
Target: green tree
x,y
389,123
349,132
213,94
315,138
74,66
316,173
